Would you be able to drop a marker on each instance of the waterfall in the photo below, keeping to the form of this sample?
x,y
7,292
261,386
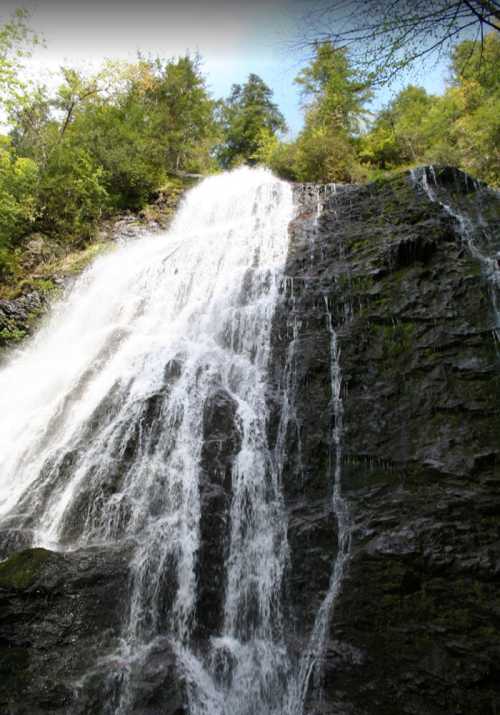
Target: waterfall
x,y
103,445
469,230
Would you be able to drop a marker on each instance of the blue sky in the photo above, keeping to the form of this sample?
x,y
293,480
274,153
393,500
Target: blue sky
x,y
233,40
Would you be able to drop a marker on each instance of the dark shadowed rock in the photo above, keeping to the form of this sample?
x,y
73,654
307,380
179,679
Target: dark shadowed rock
x,y
59,614
220,445
416,628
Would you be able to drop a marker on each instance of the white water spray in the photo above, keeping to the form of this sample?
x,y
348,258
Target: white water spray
x,y
105,434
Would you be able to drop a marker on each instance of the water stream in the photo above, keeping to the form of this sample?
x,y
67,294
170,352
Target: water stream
x,y
103,445
471,231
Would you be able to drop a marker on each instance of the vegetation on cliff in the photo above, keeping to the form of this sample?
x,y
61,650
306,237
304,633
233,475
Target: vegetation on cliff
x,y
115,140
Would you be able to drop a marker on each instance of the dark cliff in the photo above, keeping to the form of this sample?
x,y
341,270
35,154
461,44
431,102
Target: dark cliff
x,y
415,628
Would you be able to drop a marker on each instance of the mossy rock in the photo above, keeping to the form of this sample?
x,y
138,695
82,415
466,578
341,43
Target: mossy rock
x,y
22,570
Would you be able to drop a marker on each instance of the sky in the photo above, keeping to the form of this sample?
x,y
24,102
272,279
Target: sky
x,y
233,40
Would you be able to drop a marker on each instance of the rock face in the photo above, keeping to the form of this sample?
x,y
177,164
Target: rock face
x,y
415,629
58,615
17,315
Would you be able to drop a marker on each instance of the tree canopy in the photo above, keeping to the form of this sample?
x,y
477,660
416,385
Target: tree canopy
x,y
461,127
109,140
334,101
247,115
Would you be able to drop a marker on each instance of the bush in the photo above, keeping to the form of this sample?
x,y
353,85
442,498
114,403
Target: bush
x,y
72,194
18,204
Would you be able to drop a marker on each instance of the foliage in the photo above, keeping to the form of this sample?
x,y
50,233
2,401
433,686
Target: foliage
x,y
109,140
461,127
18,206
334,98
476,93
400,133
248,115
72,195
181,114
278,155
332,91
16,40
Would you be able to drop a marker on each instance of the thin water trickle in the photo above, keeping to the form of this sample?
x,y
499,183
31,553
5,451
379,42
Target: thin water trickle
x,y
426,178
311,663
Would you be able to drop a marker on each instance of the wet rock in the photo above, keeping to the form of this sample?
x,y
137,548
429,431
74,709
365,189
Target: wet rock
x,y
220,446
416,627
59,614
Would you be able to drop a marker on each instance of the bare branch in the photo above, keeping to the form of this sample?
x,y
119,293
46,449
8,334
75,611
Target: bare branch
x,y
385,38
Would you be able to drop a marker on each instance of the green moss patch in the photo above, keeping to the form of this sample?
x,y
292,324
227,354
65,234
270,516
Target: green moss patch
x,y
21,570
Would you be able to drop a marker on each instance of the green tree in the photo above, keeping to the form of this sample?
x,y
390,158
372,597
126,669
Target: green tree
x,y
334,98
18,202
72,195
182,114
461,127
247,112
16,41
279,156
33,129
333,93
117,135
399,135
476,92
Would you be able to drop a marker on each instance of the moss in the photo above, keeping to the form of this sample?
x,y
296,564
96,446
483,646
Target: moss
x,y
14,664
395,340
76,262
12,335
45,286
42,285
21,570
361,284
360,245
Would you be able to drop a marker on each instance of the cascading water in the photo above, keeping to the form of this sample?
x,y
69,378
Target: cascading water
x,y
105,446
105,433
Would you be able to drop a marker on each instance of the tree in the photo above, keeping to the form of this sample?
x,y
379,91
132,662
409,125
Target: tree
x,y
182,113
475,91
461,127
387,37
33,130
18,202
243,116
334,97
72,195
332,91
16,40
398,136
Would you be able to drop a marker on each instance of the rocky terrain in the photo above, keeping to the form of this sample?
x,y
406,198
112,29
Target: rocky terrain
x,y
415,629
